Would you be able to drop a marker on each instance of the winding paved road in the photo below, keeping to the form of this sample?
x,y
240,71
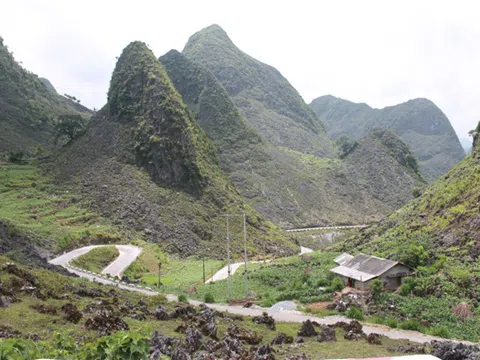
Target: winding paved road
x,y
280,316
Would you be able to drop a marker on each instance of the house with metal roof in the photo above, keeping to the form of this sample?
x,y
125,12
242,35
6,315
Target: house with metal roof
x,y
358,271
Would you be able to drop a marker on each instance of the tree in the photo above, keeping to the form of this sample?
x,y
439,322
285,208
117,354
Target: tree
x,y
69,127
345,145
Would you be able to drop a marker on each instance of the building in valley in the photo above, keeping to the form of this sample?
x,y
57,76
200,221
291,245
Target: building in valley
x,y
358,271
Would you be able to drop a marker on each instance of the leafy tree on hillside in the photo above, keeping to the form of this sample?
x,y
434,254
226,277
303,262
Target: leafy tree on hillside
x,y
69,127
345,145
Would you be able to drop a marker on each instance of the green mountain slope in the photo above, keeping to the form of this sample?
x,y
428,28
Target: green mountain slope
x,y
28,107
264,97
444,219
147,166
419,123
290,187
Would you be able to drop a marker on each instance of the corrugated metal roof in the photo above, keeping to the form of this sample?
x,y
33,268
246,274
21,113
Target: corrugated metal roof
x,y
340,259
364,267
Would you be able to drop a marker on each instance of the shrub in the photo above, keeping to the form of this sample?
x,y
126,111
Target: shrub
x,y
156,300
410,324
267,303
376,288
337,285
440,331
209,298
354,313
408,286
415,255
183,298
376,320
417,192
391,322
16,157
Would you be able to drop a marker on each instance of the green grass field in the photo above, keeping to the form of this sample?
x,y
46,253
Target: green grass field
x,y
295,277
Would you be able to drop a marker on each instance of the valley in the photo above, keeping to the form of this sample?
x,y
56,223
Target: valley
x,y
117,237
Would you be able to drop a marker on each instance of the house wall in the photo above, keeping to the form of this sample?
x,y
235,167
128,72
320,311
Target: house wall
x,y
391,282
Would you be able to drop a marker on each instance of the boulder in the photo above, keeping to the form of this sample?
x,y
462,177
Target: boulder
x,y
307,329
247,336
72,313
374,339
327,334
265,319
282,338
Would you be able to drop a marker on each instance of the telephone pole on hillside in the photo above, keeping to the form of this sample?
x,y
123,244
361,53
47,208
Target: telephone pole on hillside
x,y
228,216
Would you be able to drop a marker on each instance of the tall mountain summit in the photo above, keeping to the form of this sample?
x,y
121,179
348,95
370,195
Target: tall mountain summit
x,y
272,145
419,123
265,98
29,107
145,164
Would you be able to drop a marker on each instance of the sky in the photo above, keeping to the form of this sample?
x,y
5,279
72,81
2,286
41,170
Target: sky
x,y
378,52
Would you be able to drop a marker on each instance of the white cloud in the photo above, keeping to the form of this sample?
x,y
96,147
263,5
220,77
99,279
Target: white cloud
x,y
378,52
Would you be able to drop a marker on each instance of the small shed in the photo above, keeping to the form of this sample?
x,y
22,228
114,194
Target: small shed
x,y
358,271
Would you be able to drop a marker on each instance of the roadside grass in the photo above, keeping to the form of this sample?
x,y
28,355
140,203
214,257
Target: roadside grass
x,y
304,278
176,275
30,201
97,259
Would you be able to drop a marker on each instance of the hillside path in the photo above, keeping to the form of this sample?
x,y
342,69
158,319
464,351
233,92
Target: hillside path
x,y
280,316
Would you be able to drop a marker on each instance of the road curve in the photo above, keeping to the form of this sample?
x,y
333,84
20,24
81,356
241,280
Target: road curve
x,y
280,316
127,255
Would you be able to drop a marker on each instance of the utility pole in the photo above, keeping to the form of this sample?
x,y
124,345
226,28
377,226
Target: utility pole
x,y
159,271
228,260
245,252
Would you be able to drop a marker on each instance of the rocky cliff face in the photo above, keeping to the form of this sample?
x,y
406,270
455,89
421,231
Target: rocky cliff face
x,y
419,123
28,108
145,164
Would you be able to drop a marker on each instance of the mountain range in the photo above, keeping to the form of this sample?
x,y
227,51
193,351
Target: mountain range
x,y
208,131
418,122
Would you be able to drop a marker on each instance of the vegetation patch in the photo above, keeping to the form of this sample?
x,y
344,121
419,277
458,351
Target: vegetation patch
x,y
97,259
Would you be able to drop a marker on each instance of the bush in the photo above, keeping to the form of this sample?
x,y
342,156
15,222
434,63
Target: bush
x,y
183,298
337,285
408,286
267,303
354,313
440,331
417,192
209,298
410,324
16,157
156,300
415,256
391,322
376,320
376,288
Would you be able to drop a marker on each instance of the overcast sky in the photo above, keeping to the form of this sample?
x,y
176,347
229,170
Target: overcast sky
x,y
378,52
